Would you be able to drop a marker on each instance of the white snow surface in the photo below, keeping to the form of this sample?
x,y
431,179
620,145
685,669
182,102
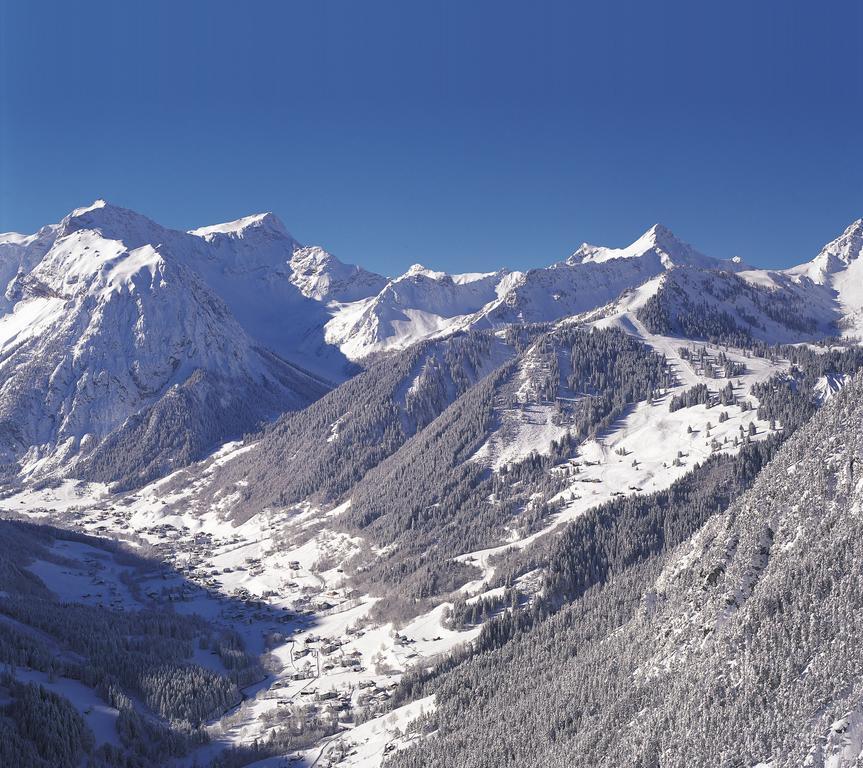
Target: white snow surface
x,y
105,312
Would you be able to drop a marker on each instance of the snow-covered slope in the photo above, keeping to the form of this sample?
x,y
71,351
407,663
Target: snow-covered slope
x,y
838,271
658,244
106,317
423,303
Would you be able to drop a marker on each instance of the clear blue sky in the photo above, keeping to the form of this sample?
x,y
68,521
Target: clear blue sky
x,y
464,135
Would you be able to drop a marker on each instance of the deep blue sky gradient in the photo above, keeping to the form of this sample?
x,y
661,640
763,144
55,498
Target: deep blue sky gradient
x,y
465,135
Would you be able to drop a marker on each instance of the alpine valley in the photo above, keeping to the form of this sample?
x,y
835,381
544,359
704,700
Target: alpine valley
x,y
263,507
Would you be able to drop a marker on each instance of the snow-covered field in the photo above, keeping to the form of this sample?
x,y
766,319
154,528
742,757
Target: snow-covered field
x,y
646,450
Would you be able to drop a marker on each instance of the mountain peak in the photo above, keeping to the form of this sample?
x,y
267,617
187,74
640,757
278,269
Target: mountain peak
x,y
258,223
657,242
659,233
837,255
419,270
661,237
99,211
97,215
113,223
95,205
659,230
320,275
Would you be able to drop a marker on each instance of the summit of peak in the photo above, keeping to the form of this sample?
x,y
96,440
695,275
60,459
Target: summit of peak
x,y
837,255
99,210
658,240
418,269
95,205
113,223
659,230
266,222
660,236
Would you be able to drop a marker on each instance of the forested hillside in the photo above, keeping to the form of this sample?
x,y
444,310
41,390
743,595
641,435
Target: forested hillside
x,y
736,646
138,661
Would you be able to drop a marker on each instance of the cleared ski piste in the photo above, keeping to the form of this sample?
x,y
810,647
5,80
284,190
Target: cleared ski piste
x,y
100,718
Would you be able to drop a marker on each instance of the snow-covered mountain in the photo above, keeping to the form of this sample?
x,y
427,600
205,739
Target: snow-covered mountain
x,y
111,325
838,270
658,244
108,318
321,276
535,470
417,305
423,303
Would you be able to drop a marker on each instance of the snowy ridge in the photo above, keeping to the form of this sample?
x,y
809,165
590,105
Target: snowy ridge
x,y
658,243
309,307
417,305
424,303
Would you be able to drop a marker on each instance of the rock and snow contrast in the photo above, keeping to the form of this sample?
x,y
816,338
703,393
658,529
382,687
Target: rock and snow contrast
x,y
264,507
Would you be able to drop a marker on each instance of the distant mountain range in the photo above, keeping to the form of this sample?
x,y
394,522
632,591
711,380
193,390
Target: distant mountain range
x,y
117,331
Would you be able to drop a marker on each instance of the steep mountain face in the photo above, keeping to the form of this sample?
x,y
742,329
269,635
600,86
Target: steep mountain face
x,y
835,257
106,318
741,646
275,288
726,307
838,270
20,253
320,276
322,452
